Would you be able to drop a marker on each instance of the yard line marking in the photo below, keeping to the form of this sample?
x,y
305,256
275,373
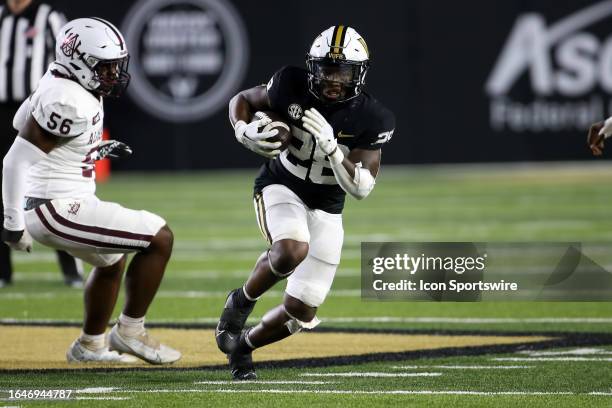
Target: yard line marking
x,y
104,398
609,394
96,390
370,374
470,320
264,382
551,359
192,294
463,367
395,392
177,274
391,392
574,352
374,319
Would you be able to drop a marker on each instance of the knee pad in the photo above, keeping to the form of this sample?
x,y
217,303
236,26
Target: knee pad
x,y
311,281
295,325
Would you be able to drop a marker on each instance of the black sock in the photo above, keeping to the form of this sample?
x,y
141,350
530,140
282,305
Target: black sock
x,y
243,347
241,300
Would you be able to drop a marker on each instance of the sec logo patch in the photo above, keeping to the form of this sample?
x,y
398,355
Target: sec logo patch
x,y
295,111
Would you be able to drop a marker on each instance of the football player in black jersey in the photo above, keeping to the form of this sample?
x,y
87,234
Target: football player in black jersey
x,y
337,134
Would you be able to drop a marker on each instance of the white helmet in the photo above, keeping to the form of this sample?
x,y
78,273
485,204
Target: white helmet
x,y
337,64
94,52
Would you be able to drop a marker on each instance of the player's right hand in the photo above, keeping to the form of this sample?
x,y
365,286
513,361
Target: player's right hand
x,y
597,134
112,149
17,240
254,140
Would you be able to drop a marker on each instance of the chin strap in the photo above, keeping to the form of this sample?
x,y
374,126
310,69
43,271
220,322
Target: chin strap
x,y
358,186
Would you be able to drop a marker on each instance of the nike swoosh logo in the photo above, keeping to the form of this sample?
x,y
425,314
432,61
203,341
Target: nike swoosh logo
x,y
223,331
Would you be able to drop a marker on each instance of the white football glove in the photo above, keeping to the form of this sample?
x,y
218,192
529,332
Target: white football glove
x,y
17,240
252,139
316,124
606,130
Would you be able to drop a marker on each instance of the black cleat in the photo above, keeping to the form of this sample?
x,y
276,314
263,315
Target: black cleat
x,y
231,323
241,363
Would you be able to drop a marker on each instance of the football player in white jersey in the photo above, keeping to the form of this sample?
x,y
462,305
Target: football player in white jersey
x,y
49,193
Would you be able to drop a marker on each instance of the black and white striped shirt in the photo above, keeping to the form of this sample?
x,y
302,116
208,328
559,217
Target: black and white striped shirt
x,y
27,47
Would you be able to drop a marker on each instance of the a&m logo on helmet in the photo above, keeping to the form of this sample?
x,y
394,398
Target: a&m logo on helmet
x,y
69,46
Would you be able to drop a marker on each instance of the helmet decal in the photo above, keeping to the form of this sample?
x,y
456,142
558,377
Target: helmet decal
x,y
69,45
337,45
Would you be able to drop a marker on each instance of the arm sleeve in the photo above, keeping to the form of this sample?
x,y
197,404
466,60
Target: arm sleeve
x,y
21,156
379,133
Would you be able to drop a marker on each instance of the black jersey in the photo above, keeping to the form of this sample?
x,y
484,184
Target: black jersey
x,y
361,122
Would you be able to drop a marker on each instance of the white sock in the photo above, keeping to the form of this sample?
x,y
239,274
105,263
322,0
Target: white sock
x,y
93,341
131,326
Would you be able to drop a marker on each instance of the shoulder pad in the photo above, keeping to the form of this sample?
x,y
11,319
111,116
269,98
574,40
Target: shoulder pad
x,y
63,108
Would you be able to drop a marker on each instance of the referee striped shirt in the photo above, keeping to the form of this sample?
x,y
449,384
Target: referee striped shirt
x,y
27,47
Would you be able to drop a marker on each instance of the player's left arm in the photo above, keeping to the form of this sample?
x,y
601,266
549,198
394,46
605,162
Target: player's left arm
x,y
355,173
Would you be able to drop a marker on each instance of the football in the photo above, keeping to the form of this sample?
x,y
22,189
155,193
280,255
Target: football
x,y
277,122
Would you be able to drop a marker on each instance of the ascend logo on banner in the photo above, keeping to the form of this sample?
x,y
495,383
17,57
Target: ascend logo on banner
x,y
568,67
188,56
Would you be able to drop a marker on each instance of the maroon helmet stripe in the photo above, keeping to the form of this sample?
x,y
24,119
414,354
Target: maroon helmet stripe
x,y
96,230
81,240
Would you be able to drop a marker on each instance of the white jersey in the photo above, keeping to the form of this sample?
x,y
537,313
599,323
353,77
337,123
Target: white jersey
x,y
65,109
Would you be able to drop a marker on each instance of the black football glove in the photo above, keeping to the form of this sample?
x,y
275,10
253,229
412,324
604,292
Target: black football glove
x,y
17,240
113,149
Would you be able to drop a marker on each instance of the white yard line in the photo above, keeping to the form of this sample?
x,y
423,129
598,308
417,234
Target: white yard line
x,y
552,359
105,390
471,320
177,275
393,392
380,392
463,367
264,382
371,319
191,294
96,390
370,374
573,352
103,398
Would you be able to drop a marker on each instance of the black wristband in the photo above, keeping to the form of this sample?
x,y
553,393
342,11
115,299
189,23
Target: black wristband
x,y
11,236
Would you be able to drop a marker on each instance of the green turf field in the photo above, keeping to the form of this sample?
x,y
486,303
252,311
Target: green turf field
x,y
217,242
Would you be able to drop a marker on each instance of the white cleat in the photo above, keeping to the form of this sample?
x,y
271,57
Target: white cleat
x,y
142,346
79,353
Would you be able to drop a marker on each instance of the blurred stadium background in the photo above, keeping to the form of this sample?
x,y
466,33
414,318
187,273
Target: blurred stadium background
x,y
493,100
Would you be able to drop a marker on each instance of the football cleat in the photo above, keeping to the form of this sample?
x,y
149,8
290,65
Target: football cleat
x,y
241,364
231,323
142,346
80,353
